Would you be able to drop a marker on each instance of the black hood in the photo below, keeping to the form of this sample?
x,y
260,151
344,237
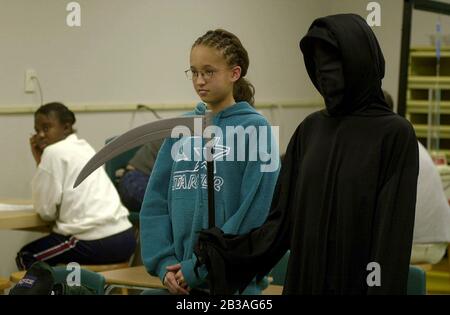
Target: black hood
x,y
362,62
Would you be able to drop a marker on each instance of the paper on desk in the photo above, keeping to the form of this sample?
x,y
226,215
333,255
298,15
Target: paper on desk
x,y
14,207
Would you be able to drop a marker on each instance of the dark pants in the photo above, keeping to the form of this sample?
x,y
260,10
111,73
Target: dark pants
x,y
59,249
132,188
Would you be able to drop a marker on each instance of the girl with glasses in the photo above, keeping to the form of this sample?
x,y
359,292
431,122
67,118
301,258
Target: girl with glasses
x,y
175,206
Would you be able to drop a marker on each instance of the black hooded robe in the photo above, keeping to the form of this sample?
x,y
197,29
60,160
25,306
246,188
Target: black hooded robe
x,y
346,194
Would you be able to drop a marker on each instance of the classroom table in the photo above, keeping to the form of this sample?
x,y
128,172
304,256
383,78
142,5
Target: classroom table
x,y
132,277
138,278
27,220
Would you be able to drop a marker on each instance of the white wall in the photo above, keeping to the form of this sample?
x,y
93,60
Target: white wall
x,y
136,51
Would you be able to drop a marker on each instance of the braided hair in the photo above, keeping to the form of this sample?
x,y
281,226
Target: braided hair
x,y
235,55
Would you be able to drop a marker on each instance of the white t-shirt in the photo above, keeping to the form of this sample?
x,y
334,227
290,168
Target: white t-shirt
x,y
92,210
432,222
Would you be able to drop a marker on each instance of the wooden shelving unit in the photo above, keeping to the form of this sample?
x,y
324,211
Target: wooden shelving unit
x,y
421,78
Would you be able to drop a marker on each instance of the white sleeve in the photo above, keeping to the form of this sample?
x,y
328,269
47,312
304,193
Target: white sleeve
x,y
46,194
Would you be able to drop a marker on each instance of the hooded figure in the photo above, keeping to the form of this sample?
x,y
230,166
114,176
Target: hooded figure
x,y
344,203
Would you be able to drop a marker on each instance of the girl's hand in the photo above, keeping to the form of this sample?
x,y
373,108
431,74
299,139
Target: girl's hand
x,y
172,285
178,274
180,280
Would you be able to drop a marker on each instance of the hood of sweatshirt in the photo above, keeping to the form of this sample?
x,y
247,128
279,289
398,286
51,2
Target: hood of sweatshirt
x,y
238,109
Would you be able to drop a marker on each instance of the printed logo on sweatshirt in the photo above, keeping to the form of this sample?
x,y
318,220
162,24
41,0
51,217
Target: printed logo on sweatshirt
x,y
190,181
189,178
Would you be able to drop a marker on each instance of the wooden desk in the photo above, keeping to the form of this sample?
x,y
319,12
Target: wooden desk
x,y
137,277
273,290
131,277
22,219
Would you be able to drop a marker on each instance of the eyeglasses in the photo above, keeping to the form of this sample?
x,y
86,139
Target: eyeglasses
x,y
193,74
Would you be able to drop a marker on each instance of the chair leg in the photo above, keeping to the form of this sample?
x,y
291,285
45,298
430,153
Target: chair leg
x,y
109,289
135,259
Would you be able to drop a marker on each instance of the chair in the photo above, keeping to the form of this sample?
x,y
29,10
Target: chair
x,y
277,276
278,273
133,278
118,162
4,284
111,166
416,281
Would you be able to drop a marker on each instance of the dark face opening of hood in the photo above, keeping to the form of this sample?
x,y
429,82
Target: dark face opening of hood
x,y
328,74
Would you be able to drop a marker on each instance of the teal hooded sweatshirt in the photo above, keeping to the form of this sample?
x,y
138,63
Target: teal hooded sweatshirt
x,y
175,206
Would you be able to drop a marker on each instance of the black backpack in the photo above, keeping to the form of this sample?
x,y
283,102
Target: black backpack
x,y
40,280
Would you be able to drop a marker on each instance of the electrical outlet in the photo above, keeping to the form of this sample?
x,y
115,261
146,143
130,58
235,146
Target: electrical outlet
x,y
29,84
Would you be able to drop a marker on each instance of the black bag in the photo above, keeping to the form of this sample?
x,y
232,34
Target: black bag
x,y
40,280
